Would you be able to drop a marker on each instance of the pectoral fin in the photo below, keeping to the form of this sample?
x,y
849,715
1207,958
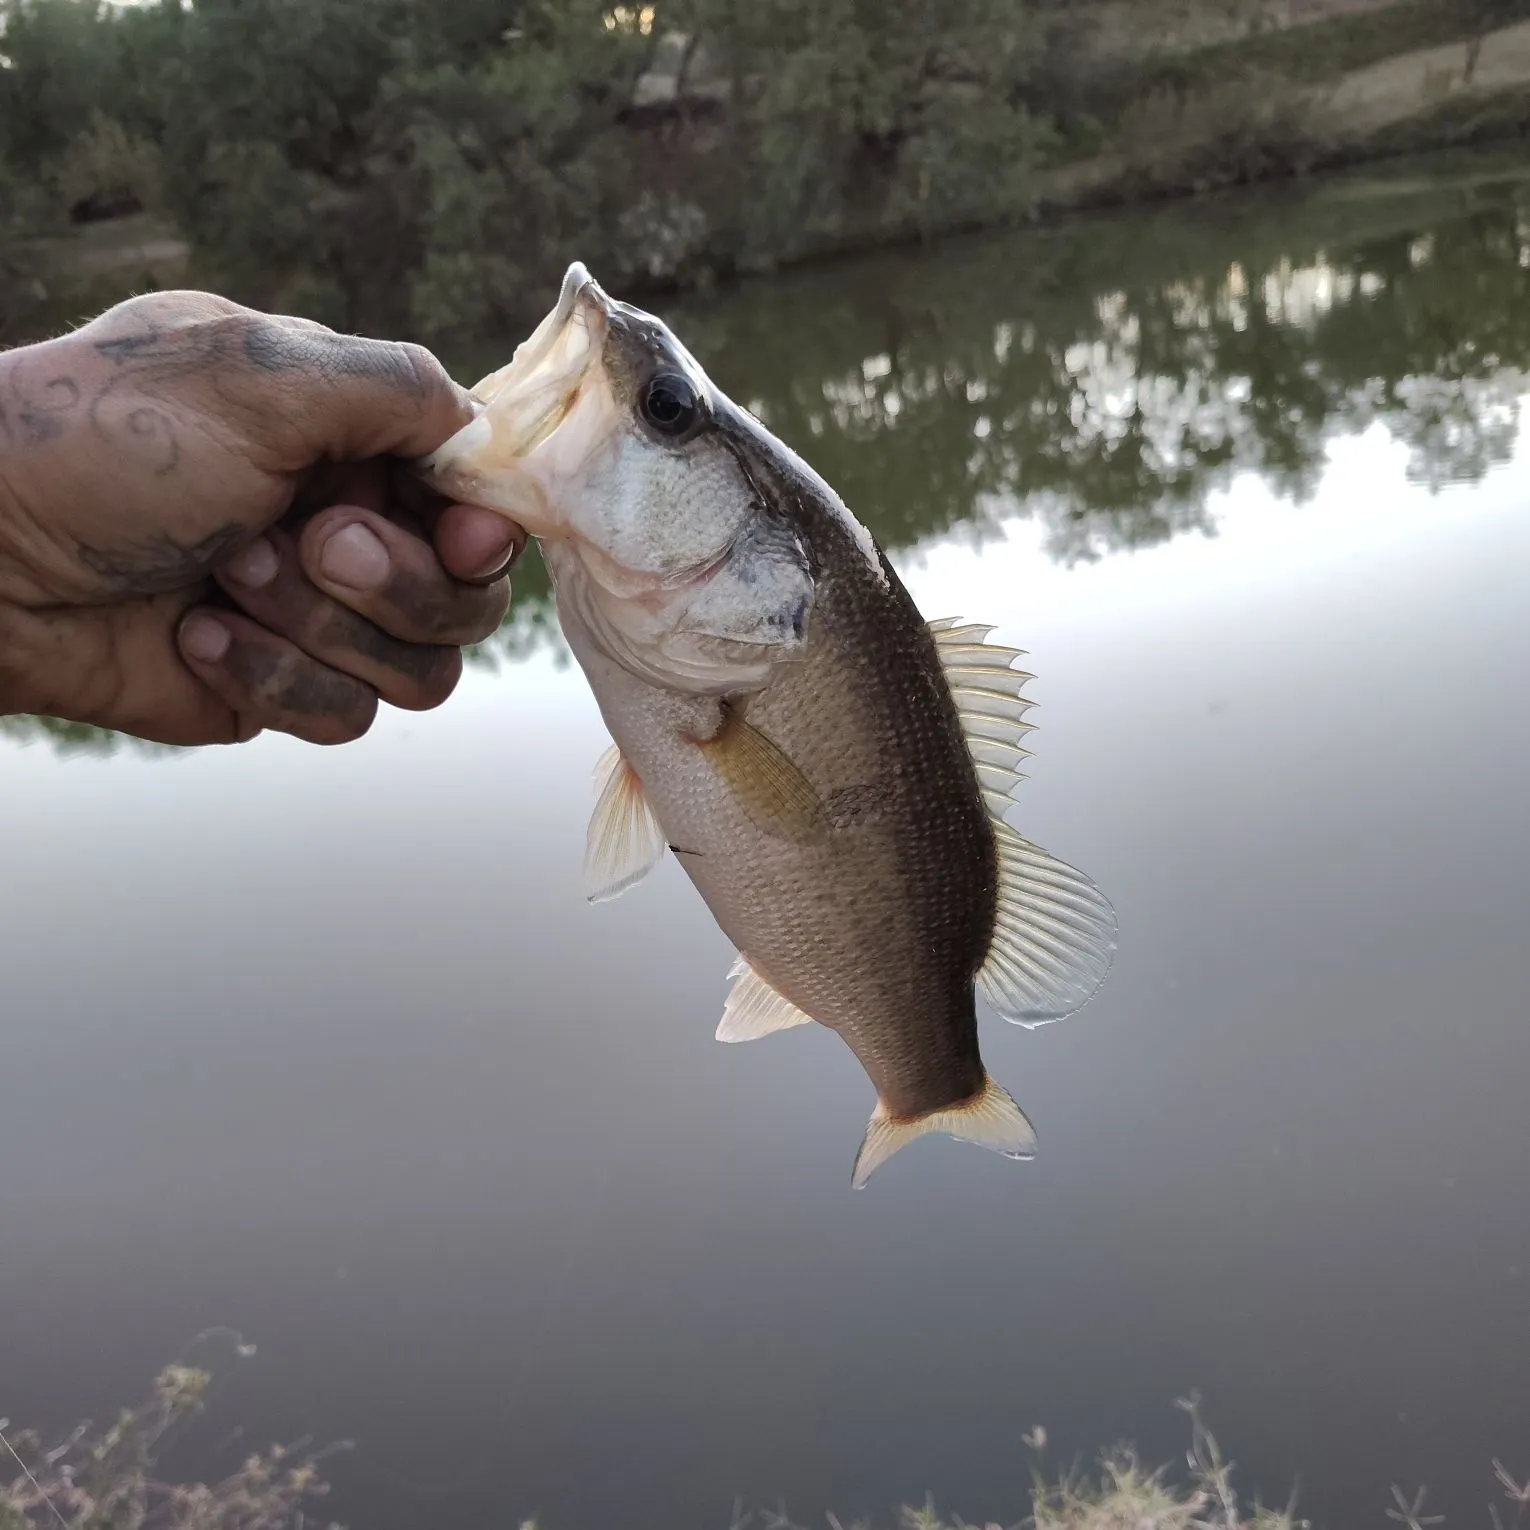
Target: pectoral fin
x,y
778,798
624,839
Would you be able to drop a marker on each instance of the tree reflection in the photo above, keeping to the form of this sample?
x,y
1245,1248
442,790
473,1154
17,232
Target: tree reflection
x,y
1106,377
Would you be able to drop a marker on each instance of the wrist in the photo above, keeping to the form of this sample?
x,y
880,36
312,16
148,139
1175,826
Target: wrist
x,y
42,399
18,659
18,623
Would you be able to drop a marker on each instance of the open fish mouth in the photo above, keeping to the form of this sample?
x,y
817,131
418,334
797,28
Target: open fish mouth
x,y
530,396
555,346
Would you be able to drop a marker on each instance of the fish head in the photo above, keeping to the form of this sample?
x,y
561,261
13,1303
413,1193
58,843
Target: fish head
x,y
606,440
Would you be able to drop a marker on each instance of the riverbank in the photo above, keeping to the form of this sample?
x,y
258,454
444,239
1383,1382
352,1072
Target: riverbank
x,y
694,173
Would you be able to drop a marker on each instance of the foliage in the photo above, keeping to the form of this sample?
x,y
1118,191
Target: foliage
x,y
414,168
1107,378
404,166
872,114
1121,1494
1248,128
105,1479
72,738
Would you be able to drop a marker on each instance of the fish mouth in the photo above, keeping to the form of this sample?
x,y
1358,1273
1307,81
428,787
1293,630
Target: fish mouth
x,y
580,300
519,406
535,393
577,284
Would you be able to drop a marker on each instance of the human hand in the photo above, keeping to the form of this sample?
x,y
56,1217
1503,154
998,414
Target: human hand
x,y
207,527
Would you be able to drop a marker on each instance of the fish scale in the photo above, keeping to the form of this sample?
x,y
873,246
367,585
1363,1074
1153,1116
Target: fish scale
x,y
832,771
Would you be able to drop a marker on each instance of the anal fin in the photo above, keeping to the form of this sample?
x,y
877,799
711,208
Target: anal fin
x,y
989,1118
624,840
754,1009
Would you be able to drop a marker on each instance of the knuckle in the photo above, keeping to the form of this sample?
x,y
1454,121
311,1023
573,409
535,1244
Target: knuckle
x,y
421,692
419,370
446,613
176,310
420,607
400,669
301,695
261,672
495,608
346,730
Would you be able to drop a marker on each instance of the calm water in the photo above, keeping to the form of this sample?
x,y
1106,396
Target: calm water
x,y
328,1046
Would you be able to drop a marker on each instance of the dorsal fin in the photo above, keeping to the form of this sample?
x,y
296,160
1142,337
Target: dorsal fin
x,y
624,840
1055,931
1054,935
754,1009
987,691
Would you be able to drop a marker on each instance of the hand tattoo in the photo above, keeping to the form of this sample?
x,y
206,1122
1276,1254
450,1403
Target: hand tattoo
x,y
157,564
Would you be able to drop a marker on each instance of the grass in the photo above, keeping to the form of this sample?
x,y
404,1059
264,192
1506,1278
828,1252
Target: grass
x,y
105,1479
1120,1493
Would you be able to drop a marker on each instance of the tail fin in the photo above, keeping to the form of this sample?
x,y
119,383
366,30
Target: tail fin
x,y
990,1118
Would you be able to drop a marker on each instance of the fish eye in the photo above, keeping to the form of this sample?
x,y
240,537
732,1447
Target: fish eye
x,y
670,404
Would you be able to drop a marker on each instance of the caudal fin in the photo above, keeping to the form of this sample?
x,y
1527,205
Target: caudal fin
x,y
990,1118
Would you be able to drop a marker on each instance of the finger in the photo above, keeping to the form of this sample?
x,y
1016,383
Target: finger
x,y
270,682
395,579
475,544
267,581
118,667
383,484
300,391
366,484
354,397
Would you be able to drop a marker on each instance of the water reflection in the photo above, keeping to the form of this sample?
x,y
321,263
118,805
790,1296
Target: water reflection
x,y
327,1045
1108,376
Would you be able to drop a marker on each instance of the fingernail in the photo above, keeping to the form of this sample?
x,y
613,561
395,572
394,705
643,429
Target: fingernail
x,y
500,563
355,558
254,567
204,638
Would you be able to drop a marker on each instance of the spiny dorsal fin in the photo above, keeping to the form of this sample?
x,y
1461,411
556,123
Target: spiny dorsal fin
x,y
624,840
754,1009
986,690
1055,931
989,1118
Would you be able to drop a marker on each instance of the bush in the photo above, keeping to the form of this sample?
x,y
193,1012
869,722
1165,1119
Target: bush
x,y
1242,129
104,1479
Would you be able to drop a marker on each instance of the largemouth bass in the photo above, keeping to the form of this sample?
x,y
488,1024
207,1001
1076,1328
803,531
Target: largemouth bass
x,y
831,770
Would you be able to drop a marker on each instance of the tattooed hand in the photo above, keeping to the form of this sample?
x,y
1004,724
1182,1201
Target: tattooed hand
x,y
206,527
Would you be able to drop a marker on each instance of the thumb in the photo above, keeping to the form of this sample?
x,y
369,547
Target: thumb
x,y
354,397
296,390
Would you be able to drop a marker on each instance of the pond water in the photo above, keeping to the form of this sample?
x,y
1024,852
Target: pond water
x,y
328,1047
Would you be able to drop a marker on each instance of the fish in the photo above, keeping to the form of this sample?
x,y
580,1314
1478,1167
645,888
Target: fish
x,y
832,771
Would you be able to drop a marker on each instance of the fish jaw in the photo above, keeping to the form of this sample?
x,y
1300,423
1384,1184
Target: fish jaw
x,y
505,458
657,544
639,633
